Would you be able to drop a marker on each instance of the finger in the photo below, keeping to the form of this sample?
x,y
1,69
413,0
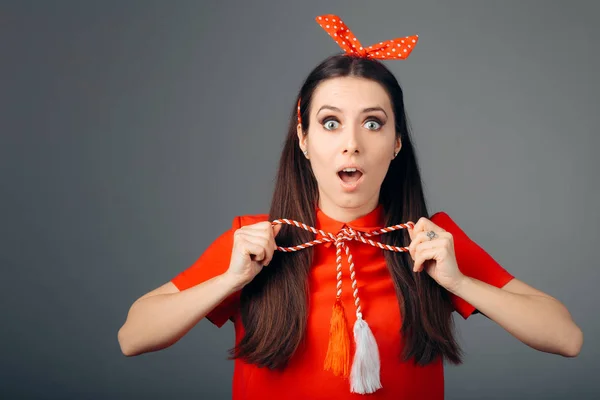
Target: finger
x,y
255,248
422,257
428,250
411,231
273,245
418,226
422,237
254,252
255,233
424,225
276,229
259,226
265,243
267,234
270,251
418,238
429,244
262,230
268,244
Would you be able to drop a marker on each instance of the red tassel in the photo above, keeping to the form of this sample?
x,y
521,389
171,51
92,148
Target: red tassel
x,y
337,359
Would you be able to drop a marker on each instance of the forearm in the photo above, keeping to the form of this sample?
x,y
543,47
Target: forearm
x,y
540,322
157,322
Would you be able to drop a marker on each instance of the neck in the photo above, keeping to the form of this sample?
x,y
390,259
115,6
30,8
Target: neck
x,y
346,213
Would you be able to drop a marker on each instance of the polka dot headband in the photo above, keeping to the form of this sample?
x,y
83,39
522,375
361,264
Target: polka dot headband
x,y
394,49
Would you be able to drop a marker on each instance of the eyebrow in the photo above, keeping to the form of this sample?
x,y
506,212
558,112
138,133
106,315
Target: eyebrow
x,y
366,110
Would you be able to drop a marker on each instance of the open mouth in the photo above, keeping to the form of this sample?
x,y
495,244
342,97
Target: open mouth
x,y
350,175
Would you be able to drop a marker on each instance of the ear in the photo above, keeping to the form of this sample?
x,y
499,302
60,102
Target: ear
x,y
398,145
302,138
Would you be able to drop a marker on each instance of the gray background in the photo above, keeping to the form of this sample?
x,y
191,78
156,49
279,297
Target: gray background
x,y
131,133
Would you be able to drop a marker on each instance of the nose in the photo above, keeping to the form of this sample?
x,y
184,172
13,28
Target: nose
x,y
351,140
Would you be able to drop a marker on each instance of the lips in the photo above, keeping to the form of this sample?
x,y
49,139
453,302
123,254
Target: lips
x,y
350,173
350,176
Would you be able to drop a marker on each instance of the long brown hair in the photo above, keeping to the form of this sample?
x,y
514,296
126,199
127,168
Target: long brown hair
x,y
274,306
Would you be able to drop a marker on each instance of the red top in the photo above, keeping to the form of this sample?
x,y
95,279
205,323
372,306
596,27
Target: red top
x,y
304,377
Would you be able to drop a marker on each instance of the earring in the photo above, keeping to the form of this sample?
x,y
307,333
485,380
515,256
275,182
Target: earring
x,y
305,153
395,154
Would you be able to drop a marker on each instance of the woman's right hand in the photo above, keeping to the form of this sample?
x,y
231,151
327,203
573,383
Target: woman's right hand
x,y
253,248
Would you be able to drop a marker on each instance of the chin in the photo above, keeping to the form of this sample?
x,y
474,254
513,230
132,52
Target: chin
x,y
351,200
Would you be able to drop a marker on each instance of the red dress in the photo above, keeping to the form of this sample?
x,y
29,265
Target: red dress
x,y
304,378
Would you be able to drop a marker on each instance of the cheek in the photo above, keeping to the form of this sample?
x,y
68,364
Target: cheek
x,y
320,162
321,152
381,166
381,159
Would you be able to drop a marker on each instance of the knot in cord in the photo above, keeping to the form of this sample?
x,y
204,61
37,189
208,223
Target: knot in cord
x,y
345,234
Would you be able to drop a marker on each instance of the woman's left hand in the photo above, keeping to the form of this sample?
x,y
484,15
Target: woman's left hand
x,y
435,256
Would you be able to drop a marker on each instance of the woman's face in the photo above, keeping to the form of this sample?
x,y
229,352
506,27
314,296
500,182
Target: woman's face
x,y
351,126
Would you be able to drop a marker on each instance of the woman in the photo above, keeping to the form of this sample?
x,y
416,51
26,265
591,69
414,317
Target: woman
x,y
348,171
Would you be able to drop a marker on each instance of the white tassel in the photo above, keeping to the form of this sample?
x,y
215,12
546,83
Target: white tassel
x,y
364,376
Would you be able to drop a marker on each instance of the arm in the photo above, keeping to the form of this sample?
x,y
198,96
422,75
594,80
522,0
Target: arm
x,y
476,281
161,317
535,318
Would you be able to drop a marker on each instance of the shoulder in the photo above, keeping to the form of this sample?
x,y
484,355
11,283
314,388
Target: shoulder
x,y
248,219
225,239
440,216
444,221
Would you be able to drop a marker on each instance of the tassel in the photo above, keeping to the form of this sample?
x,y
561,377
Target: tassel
x,y
364,377
337,359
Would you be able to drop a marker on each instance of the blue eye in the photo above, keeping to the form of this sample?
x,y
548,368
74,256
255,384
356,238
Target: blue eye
x,y
373,125
331,124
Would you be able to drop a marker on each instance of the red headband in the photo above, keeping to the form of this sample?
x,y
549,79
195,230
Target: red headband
x,y
394,49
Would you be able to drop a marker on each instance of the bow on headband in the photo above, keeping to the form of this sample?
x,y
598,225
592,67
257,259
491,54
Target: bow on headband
x,y
395,49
